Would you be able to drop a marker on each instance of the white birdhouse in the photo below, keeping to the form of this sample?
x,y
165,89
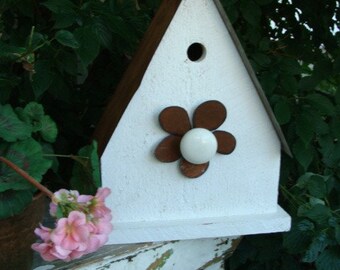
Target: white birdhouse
x,y
190,147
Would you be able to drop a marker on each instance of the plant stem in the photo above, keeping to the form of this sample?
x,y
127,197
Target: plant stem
x,y
65,156
27,177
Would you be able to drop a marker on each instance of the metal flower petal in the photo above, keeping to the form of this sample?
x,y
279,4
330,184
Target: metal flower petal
x,y
193,170
175,120
209,115
168,149
226,142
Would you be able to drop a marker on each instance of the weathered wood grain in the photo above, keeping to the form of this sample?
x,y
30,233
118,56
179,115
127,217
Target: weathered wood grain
x,y
202,254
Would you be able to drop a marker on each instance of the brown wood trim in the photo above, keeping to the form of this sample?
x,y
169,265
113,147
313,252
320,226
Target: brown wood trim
x,y
253,77
133,76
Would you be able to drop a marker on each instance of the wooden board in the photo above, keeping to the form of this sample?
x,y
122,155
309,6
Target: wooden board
x,y
203,254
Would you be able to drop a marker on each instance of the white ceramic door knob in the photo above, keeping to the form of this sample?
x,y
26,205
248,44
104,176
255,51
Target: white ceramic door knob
x,y
198,145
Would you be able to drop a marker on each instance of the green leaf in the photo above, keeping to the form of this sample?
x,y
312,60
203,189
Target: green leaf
x,y
296,241
261,59
13,202
34,114
63,11
37,40
269,82
64,20
307,83
7,84
89,44
303,179
68,62
59,89
305,225
282,111
290,66
330,151
42,79
264,44
251,12
321,103
86,171
317,186
289,84
60,6
50,155
329,259
318,213
49,130
304,128
10,53
337,233
103,33
121,28
34,111
318,244
303,154
66,38
11,128
313,201
28,156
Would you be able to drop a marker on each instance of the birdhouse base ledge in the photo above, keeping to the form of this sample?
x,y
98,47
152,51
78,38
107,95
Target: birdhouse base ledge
x,y
156,231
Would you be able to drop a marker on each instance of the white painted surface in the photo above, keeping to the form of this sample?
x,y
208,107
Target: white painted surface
x,y
240,190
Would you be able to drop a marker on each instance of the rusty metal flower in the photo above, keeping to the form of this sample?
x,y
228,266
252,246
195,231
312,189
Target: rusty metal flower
x,y
195,145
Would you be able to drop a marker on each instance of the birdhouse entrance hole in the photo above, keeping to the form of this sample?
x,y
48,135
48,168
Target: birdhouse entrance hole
x,y
196,52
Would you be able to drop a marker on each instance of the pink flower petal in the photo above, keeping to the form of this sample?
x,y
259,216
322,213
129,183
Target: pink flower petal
x,y
43,232
104,227
76,254
53,209
81,233
68,243
76,218
44,250
60,252
102,193
84,198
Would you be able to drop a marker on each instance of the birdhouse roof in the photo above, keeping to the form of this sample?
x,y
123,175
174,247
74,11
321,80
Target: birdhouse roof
x,y
133,76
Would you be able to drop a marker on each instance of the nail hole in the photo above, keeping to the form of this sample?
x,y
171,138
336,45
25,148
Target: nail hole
x,y
196,52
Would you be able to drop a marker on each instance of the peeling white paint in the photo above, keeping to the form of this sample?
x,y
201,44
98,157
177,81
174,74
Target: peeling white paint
x,y
178,255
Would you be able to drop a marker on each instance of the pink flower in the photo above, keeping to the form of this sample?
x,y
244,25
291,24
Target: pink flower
x,y
45,251
84,227
100,231
63,195
98,208
72,232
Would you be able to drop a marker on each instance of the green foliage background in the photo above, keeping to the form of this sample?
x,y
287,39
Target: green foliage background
x,y
69,55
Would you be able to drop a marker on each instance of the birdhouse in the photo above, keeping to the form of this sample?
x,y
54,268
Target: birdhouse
x,y
190,146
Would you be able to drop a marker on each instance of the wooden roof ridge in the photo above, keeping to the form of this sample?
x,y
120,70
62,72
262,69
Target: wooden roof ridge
x,y
134,74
